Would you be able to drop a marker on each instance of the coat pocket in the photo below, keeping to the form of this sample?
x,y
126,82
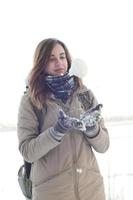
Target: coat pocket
x,y
91,185
57,188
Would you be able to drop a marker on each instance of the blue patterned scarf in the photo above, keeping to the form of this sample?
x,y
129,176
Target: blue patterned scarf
x,y
61,86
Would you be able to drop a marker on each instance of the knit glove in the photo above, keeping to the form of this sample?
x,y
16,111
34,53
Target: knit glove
x,y
64,125
90,120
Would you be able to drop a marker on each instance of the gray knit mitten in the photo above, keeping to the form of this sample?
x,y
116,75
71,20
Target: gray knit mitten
x,y
90,119
64,125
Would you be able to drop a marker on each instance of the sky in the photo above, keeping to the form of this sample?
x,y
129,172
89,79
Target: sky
x,y
98,32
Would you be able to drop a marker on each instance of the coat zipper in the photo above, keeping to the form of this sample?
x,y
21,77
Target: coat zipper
x,y
74,162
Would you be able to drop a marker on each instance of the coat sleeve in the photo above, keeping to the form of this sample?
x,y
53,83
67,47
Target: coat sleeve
x,y
32,145
101,141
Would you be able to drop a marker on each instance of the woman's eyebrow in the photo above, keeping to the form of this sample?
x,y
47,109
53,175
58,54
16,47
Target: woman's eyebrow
x,y
62,53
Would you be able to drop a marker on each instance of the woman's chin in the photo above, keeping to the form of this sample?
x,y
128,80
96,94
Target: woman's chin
x,y
59,73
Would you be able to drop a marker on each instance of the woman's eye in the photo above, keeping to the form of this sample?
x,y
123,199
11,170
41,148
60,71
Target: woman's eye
x,y
63,57
53,59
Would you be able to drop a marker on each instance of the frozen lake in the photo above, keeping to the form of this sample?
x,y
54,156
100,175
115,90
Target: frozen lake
x,y
116,165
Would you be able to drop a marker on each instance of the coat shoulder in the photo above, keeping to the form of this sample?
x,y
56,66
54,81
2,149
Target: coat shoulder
x,y
86,97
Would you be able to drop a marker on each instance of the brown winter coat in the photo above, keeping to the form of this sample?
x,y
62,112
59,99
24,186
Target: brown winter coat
x,y
65,170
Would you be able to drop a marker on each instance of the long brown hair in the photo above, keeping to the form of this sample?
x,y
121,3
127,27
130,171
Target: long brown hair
x,y
38,90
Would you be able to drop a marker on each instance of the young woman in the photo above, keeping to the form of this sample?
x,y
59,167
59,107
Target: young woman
x,y
60,145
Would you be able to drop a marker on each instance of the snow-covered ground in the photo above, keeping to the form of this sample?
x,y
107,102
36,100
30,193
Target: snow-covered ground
x,y
116,164
10,162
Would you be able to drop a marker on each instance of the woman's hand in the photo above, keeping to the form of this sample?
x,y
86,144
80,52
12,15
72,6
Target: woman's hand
x,y
90,120
91,116
64,125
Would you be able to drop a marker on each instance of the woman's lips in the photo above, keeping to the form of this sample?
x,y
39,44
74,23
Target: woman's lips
x,y
60,71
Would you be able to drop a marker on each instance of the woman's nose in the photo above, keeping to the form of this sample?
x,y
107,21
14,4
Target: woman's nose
x,y
58,61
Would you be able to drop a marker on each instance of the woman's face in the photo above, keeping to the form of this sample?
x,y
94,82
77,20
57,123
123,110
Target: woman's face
x,y
57,64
